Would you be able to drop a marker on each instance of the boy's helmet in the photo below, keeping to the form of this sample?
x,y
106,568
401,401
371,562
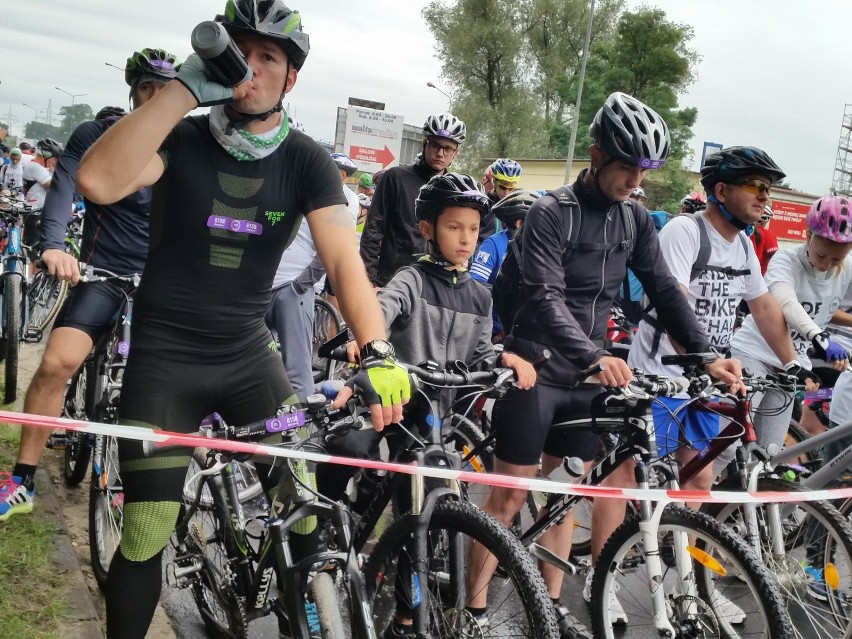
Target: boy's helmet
x,y
449,189
49,148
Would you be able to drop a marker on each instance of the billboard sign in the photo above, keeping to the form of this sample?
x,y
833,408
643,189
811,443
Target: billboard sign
x,y
709,147
372,139
788,220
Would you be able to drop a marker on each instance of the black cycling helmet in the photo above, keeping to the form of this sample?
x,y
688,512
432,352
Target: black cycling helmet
x,y
25,146
629,131
149,64
514,207
49,148
736,163
110,112
449,189
270,19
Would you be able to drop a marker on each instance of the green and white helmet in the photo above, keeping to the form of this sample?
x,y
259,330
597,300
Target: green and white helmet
x,y
269,19
149,64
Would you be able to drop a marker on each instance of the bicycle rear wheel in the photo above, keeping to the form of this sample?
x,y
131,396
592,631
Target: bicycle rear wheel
x,y
327,324
106,507
518,604
12,303
815,567
45,296
728,591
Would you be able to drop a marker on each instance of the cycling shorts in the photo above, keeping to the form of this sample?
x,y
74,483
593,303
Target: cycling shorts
x,y
90,307
676,424
523,420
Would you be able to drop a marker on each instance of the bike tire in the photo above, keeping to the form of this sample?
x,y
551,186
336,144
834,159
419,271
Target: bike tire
x,y
45,296
796,434
12,301
527,612
323,592
327,324
826,541
78,446
204,539
696,603
106,507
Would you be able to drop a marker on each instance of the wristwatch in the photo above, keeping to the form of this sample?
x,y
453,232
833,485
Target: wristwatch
x,y
377,348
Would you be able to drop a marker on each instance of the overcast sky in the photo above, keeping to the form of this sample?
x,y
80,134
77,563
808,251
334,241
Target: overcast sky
x,y
774,73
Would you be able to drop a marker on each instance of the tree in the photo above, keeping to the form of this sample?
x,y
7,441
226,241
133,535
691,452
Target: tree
x,y
72,116
555,41
480,43
38,130
647,57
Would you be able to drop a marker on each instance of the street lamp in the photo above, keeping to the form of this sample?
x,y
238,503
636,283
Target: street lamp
x,y
432,86
34,109
73,95
113,66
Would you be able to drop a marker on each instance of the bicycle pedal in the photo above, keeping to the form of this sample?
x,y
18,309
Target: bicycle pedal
x,y
33,334
57,441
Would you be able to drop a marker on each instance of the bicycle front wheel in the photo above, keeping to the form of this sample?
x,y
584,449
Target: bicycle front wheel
x,y
518,603
12,297
323,592
45,296
78,446
814,568
106,507
727,592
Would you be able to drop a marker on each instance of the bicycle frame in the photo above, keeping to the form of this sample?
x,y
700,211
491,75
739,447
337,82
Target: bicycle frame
x,y
15,264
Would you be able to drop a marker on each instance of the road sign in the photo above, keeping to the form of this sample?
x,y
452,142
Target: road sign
x,y
372,139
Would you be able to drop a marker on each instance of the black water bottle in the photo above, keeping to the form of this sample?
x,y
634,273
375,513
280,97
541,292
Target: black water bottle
x,y
220,55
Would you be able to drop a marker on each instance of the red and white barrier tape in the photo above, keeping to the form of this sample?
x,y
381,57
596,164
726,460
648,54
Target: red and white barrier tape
x,y
166,438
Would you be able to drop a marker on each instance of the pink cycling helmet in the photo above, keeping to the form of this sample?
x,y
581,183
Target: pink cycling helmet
x,y
831,217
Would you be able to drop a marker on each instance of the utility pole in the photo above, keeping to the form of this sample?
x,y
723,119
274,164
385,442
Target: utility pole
x,y
570,161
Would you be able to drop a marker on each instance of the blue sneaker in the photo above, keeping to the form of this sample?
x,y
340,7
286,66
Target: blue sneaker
x,y
816,583
15,498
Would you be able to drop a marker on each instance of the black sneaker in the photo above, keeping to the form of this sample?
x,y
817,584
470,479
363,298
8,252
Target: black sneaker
x,y
569,626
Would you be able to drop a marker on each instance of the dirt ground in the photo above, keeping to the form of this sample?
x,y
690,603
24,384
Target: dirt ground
x,y
75,503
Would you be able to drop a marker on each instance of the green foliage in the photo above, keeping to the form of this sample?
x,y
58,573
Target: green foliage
x,y
513,67
73,116
38,130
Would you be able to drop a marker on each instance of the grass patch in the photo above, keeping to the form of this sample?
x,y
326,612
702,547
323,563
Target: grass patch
x,y
33,595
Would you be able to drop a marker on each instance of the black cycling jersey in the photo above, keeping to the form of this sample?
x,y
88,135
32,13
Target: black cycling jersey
x,y
391,237
115,236
569,298
218,229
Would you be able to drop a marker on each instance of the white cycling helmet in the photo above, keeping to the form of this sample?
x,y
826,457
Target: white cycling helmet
x,y
445,125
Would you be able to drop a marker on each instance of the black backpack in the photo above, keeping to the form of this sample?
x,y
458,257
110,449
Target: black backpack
x,y
508,292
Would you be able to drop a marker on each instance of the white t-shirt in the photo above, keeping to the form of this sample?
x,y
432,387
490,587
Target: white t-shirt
x,y
712,295
840,410
843,334
296,257
818,293
38,191
13,175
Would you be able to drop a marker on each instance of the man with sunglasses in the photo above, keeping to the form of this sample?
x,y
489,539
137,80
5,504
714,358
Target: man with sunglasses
x,y
716,266
391,237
